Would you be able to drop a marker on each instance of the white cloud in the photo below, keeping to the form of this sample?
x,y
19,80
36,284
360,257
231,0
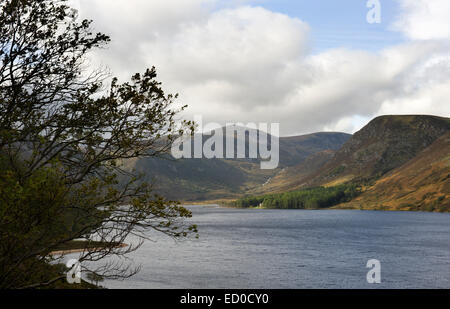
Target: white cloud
x,y
133,23
249,64
345,86
242,57
424,19
427,100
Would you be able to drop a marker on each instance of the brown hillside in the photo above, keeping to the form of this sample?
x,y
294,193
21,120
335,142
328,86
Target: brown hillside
x,y
421,184
294,177
384,144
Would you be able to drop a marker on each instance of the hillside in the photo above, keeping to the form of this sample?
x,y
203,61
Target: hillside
x,y
384,144
296,149
206,179
294,177
320,159
421,184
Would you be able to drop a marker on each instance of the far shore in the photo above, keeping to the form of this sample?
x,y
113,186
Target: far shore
x,y
80,250
226,204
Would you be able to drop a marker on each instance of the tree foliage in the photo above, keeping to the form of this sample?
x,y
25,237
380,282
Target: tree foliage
x,y
313,198
65,133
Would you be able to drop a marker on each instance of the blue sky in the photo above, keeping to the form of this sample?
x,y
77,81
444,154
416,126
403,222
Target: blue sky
x,y
341,23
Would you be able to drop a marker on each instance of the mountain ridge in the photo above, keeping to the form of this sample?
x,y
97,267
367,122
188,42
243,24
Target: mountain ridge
x,y
385,143
393,163
423,183
192,180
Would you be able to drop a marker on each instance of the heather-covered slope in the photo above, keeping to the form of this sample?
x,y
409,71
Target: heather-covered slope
x,y
294,177
384,144
423,183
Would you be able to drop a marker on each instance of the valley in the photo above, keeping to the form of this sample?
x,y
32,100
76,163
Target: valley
x,y
396,162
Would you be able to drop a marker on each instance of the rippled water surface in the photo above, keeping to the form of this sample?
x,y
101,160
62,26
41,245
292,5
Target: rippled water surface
x,y
298,249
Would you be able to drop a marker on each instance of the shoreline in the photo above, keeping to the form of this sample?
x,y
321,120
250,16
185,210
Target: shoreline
x,y
80,250
310,209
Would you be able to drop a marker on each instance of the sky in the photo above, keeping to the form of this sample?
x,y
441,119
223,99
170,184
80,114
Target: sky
x,y
308,65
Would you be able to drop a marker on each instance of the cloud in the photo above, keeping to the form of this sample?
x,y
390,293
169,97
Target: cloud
x,y
249,64
243,58
424,19
345,86
133,23
426,91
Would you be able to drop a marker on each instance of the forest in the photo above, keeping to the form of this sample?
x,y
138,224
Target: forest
x,y
311,198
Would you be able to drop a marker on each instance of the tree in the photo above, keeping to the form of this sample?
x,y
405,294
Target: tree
x,y
64,136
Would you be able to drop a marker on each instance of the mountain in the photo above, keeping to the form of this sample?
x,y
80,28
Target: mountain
x,y
207,179
402,162
393,163
423,183
384,144
296,149
293,177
